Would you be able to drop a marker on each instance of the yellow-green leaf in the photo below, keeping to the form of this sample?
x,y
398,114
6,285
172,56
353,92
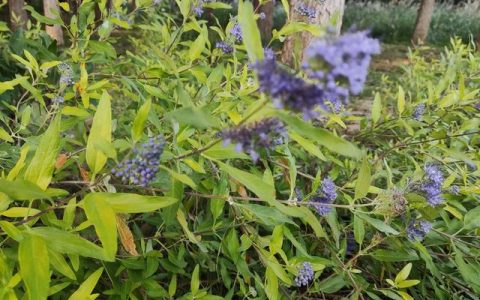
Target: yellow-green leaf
x,y
180,177
102,216
101,131
4,135
34,266
363,180
400,100
408,283
59,263
86,288
376,108
133,203
196,48
20,163
140,120
250,33
403,274
40,169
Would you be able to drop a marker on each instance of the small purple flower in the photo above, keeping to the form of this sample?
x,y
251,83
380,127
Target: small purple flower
x,y
141,169
58,100
322,202
341,64
66,74
305,275
455,189
329,189
236,32
262,16
269,54
418,111
198,9
224,46
252,138
418,230
306,11
432,185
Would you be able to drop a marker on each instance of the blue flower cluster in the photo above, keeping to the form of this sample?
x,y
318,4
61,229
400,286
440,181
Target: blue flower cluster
x,y
66,75
325,197
335,68
141,170
264,134
224,46
418,230
198,9
432,185
341,64
305,275
58,100
419,111
236,32
306,11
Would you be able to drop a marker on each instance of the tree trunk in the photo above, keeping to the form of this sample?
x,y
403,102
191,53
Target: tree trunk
x,y
424,16
266,24
52,10
18,15
326,11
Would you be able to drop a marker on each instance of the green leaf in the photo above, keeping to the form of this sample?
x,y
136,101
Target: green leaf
x,y
140,120
363,180
155,91
196,48
332,284
269,216
277,239
252,182
271,286
180,177
101,131
69,243
408,283
223,152
4,135
250,33
380,225
376,108
400,100
394,255
358,229
195,282
403,274
22,190
42,18
320,135
12,231
271,262
34,266
86,288
472,218
20,163
133,203
307,145
40,169
183,222
199,117
59,263
102,216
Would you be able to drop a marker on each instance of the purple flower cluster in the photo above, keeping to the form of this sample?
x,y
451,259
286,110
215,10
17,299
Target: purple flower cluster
x,y
305,275
287,90
341,64
325,197
264,134
306,11
418,230
262,16
58,100
66,74
335,69
141,170
236,32
432,186
198,9
419,111
224,46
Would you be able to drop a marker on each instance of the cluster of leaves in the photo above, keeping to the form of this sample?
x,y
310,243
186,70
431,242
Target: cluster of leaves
x,y
213,223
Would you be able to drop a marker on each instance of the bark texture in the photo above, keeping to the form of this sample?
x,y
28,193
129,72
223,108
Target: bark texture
x,y
295,45
52,10
424,17
18,15
265,25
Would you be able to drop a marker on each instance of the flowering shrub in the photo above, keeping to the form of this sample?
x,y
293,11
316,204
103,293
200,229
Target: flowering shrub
x,y
163,167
